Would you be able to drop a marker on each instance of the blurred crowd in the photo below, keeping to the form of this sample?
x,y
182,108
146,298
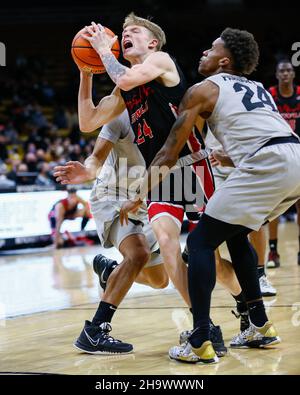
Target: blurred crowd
x,y
38,130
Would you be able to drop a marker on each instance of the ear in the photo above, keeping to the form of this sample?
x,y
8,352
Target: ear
x,y
153,43
224,62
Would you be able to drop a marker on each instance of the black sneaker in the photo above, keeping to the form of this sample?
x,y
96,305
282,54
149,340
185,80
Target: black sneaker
x,y
216,338
244,316
96,340
103,267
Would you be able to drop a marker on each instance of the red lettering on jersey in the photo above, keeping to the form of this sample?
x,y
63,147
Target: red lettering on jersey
x,y
139,112
144,92
146,132
140,139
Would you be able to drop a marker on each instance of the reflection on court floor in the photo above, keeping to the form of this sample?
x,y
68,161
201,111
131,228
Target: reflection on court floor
x,y
49,295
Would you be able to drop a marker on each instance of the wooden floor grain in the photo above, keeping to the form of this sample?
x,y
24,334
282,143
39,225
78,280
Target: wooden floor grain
x,y
45,298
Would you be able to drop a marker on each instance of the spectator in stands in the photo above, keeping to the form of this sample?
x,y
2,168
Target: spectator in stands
x,y
13,162
41,155
59,118
23,176
47,93
44,178
72,117
3,148
75,153
11,133
31,162
5,183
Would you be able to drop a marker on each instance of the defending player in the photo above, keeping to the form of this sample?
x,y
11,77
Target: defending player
x,y
265,182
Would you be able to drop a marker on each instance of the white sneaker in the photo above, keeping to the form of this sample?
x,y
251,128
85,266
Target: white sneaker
x,y
266,287
255,337
186,353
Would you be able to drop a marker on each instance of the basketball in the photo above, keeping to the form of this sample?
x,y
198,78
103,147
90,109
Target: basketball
x,y
86,57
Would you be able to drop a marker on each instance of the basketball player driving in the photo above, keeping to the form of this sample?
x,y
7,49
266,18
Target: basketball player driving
x,y
151,90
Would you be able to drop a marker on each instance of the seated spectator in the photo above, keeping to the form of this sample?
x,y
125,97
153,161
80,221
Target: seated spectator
x,y
44,178
3,148
41,155
31,161
59,118
13,163
24,177
11,133
75,153
47,93
37,117
5,183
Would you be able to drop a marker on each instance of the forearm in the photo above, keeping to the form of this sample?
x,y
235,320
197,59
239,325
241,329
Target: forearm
x,y
86,107
93,167
157,171
113,68
59,221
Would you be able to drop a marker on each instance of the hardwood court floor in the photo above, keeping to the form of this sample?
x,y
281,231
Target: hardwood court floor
x,y
49,295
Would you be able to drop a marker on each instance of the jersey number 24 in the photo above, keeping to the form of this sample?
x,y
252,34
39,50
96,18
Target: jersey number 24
x,y
249,96
143,132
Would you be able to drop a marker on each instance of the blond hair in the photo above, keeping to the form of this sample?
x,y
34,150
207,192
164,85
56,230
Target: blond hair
x,y
157,31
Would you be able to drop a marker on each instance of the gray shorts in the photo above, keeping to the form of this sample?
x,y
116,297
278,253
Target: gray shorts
x,y
260,189
221,173
119,233
111,233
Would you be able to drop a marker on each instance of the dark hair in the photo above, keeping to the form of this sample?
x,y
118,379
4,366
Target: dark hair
x,y
284,60
72,190
243,49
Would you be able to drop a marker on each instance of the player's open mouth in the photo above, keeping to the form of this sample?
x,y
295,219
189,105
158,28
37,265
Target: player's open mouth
x,y
127,44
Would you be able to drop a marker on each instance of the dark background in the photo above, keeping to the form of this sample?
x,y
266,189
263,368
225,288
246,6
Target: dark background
x,y
39,85
45,31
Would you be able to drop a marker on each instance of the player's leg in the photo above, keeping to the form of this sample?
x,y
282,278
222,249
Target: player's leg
x,y
135,250
154,273
85,214
154,276
202,242
258,240
273,257
226,275
167,232
224,269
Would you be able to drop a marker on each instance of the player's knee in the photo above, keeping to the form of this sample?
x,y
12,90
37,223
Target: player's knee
x,y
140,256
167,242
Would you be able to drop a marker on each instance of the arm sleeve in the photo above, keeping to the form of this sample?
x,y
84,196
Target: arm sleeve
x,y
117,129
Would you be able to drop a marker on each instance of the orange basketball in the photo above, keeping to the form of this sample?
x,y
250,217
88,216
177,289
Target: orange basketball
x,y
86,57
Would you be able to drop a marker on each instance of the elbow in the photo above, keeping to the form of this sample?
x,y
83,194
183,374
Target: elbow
x,y
124,83
86,127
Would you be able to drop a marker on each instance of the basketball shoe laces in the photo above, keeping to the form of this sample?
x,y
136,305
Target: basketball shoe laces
x,y
105,329
247,334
